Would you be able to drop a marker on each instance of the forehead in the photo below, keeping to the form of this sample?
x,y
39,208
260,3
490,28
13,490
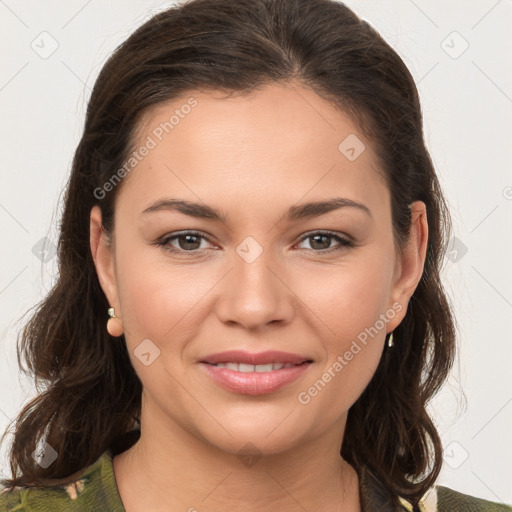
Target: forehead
x,y
280,140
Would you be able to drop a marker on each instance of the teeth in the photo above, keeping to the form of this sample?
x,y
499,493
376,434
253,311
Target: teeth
x,y
247,368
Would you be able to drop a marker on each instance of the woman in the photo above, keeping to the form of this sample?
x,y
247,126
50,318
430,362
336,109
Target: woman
x,y
249,313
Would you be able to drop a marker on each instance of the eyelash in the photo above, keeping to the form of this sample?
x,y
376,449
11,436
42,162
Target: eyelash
x,y
344,243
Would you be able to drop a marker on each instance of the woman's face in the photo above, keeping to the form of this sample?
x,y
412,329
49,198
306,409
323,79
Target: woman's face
x,y
263,277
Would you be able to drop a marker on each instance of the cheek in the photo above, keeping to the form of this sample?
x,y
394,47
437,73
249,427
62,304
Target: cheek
x,y
159,298
351,305
352,343
347,298
337,385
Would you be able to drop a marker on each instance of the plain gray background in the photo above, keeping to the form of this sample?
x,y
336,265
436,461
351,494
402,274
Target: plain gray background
x,y
459,54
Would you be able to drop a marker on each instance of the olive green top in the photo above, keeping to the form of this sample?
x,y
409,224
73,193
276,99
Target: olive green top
x,y
95,489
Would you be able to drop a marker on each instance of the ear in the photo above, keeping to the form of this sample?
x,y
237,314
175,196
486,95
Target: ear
x,y
103,256
409,265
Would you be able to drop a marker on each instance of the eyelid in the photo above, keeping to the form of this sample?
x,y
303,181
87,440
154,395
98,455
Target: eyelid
x,y
343,236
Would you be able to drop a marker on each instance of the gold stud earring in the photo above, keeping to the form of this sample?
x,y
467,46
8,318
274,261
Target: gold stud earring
x,y
114,325
390,340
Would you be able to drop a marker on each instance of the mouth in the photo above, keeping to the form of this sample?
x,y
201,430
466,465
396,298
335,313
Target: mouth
x,y
246,359
260,379
260,368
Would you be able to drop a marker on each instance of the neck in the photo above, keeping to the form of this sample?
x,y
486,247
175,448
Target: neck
x,y
171,469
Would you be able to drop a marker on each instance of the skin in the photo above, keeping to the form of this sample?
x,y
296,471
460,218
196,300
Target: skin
x,y
252,158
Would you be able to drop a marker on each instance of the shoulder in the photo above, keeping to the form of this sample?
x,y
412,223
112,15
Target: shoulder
x,y
51,497
444,499
55,498
93,488
454,501
375,496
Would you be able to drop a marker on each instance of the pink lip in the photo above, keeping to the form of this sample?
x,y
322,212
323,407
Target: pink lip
x,y
254,383
241,356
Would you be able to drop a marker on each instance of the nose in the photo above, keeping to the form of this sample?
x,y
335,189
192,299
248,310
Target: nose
x,y
256,292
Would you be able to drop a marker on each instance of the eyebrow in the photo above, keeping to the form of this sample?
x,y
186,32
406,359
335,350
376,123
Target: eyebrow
x,y
294,213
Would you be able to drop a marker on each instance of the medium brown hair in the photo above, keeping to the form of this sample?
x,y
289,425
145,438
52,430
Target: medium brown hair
x,y
92,395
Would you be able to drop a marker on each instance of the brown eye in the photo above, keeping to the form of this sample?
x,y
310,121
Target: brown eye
x,y
186,242
321,241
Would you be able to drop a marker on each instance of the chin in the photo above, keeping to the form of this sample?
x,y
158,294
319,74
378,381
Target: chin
x,y
253,442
